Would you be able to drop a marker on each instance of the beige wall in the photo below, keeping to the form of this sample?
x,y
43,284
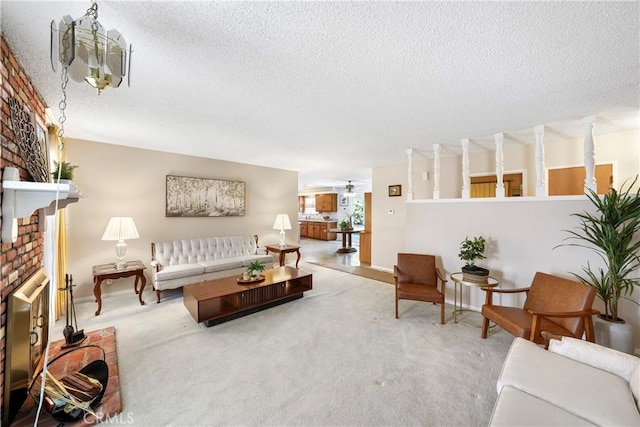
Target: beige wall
x,y
122,181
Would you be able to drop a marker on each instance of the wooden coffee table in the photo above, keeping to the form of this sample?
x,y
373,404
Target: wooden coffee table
x,y
220,300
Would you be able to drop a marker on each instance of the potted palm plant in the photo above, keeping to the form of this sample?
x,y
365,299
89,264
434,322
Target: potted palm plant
x,y
612,233
470,251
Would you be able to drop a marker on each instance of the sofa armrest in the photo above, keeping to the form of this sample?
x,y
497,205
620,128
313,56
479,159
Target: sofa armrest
x,y
597,356
155,265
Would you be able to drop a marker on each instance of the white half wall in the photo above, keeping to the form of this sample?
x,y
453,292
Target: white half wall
x,y
521,233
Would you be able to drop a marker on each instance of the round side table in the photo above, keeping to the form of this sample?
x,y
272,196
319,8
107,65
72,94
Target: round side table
x,y
458,280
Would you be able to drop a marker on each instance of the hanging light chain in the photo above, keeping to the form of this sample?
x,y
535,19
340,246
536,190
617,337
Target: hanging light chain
x,y
64,77
93,10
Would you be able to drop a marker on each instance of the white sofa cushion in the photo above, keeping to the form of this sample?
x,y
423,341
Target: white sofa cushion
x,y
570,385
178,271
220,264
607,359
634,382
516,408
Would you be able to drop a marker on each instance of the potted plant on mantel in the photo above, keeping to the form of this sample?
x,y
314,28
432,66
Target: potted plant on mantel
x,y
470,251
612,232
63,170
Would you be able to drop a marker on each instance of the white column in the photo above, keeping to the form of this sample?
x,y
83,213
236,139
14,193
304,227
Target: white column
x,y
410,173
466,184
589,154
436,171
541,185
499,138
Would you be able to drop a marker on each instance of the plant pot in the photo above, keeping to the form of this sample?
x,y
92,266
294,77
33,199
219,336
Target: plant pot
x,y
473,273
617,335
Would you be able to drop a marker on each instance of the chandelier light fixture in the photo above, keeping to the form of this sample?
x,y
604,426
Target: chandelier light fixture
x,y
89,53
349,190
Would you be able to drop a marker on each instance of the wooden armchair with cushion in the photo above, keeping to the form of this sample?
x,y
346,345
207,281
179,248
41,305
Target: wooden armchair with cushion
x,y
417,277
556,305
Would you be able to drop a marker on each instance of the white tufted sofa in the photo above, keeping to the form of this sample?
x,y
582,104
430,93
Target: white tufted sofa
x,y
176,263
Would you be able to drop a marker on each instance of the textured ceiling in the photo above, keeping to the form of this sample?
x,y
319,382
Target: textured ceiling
x,y
332,89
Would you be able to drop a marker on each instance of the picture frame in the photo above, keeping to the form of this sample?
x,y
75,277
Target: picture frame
x,y
395,190
344,200
204,197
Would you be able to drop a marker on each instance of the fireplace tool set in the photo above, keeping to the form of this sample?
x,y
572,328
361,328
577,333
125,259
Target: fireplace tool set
x,y
72,336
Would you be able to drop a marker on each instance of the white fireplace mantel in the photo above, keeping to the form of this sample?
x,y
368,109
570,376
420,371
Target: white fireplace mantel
x,y
21,198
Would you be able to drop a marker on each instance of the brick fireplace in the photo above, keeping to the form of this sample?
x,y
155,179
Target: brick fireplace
x,y
22,259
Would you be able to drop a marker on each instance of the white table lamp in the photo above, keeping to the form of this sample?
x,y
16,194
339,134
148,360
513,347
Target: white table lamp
x,y
282,223
120,229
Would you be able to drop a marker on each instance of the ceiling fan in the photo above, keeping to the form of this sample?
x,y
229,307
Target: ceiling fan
x,y
349,190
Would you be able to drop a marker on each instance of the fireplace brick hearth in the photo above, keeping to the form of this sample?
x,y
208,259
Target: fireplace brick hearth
x,y
111,402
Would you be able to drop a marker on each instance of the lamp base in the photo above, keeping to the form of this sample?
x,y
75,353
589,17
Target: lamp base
x,y
121,251
282,243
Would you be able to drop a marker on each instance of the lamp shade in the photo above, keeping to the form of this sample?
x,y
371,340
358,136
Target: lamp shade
x,y
120,228
282,222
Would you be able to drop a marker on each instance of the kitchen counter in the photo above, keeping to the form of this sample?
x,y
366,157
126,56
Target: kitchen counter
x,y
317,220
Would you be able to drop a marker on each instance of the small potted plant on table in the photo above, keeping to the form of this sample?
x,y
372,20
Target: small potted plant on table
x,y
254,269
470,251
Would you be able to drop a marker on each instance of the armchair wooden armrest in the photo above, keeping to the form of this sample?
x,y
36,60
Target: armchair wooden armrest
x,y
443,281
395,271
489,299
548,336
584,314
506,291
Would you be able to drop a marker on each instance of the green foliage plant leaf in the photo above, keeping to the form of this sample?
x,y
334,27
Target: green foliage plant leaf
x,y
472,249
613,233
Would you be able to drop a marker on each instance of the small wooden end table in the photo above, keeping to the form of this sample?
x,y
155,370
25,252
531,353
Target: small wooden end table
x,y
283,251
108,271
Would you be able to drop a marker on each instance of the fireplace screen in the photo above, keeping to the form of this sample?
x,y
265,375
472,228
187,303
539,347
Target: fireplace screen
x,y
27,335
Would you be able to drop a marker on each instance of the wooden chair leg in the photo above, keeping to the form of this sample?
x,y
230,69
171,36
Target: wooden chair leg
x,y
397,308
158,296
442,313
485,327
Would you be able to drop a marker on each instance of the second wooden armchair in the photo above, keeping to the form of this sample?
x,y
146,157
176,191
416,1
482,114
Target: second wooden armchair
x,y
417,278
554,304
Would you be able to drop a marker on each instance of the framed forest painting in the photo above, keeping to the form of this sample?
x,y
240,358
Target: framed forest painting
x,y
193,197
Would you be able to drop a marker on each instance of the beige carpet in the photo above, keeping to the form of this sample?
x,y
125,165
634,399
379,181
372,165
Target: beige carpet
x,y
370,273
337,357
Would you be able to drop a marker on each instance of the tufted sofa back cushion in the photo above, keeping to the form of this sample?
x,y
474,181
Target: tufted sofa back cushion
x,y
189,251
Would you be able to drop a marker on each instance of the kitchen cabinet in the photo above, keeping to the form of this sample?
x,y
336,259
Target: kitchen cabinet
x,y
327,202
301,204
318,229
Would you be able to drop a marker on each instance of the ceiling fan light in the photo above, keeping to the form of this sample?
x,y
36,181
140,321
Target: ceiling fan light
x,y
349,192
